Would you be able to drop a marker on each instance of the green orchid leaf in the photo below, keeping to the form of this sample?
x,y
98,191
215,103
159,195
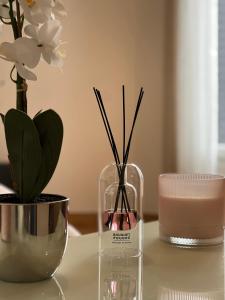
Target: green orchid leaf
x,y
25,152
50,129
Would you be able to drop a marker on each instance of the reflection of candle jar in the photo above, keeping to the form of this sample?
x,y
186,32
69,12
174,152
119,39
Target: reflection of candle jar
x,y
191,208
189,273
169,294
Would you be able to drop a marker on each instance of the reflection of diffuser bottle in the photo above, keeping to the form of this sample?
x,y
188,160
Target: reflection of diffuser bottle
x,y
120,279
120,211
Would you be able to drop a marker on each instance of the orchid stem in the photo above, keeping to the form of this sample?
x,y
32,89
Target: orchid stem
x,y
21,100
19,24
13,20
21,86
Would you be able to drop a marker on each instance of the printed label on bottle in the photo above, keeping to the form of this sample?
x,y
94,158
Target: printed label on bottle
x,y
121,238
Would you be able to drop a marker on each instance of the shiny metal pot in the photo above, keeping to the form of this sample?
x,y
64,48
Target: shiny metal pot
x,y
33,237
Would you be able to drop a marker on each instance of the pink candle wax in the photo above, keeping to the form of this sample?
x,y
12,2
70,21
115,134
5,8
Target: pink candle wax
x,y
191,217
191,206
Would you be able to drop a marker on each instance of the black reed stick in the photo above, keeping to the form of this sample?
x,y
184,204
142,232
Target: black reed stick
x,y
124,123
124,193
107,126
133,125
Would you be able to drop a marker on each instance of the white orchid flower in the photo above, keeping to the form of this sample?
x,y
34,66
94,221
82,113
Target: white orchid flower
x,y
20,53
58,8
37,11
4,9
47,39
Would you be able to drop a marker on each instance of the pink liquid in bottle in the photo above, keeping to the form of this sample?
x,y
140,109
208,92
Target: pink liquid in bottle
x,y
120,220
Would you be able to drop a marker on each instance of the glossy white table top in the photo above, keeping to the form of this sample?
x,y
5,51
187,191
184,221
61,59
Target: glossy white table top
x,y
168,273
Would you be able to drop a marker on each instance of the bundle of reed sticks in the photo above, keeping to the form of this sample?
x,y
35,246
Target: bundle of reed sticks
x,y
120,164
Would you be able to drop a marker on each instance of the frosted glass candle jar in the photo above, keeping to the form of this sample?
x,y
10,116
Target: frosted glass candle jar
x,y
191,209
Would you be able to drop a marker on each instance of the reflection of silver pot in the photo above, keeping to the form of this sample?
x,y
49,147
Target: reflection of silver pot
x,y
120,278
42,290
32,237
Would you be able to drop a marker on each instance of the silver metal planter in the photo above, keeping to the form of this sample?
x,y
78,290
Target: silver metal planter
x,y
32,237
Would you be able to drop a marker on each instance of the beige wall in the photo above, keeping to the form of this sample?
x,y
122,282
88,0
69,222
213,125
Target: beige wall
x,y
109,43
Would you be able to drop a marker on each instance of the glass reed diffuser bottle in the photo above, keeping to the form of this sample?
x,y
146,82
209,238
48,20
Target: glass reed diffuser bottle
x,y
120,216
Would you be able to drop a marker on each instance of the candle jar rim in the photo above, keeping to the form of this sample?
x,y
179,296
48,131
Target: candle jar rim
x,y
192,177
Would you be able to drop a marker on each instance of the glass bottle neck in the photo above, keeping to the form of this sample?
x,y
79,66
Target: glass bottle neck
x,y
121,174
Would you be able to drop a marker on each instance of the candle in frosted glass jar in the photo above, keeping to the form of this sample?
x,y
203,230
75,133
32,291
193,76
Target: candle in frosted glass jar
x,y
191,208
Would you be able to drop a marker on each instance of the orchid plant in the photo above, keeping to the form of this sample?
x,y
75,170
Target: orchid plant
x,y
33,145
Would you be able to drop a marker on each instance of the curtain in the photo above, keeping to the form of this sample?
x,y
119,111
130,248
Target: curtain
x,y
196,85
